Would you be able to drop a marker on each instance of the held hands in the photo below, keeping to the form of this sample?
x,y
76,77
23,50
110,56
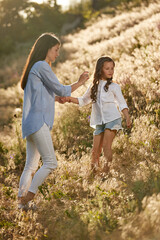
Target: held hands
x,y
62,100
83,77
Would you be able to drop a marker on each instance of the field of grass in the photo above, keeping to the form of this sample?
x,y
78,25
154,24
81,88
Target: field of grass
x,y
72,203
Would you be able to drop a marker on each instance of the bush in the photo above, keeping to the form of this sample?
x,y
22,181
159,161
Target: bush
x,y
3,152
71,133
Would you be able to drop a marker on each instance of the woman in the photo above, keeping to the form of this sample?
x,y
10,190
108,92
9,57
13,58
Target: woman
x,y
40,86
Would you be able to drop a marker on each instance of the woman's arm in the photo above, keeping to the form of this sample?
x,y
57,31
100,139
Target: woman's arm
x,y
51,81
82,79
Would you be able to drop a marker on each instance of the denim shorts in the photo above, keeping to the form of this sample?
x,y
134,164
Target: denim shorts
x,y
113,125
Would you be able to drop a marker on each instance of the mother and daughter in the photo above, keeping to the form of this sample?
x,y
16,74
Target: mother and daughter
x,y
41,90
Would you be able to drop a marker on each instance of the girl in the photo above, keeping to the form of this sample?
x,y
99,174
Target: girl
x,y
40,85
105,116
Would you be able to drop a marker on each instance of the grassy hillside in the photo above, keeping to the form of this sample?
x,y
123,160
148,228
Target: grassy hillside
x,y
74,204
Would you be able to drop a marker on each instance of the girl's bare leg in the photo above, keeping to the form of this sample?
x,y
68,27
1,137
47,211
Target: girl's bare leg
x,y
96,150
109,135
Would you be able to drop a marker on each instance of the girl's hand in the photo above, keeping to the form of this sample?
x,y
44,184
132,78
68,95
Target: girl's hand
x,y
128,122
83,77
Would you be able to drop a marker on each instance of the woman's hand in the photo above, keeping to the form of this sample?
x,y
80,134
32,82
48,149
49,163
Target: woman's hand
x,y
61,100
65,99
83,77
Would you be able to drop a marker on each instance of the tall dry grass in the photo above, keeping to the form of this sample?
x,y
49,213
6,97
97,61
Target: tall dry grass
x,y
74,204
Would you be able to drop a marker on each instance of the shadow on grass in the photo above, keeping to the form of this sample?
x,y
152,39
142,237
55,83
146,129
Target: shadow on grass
x,y
143,188
61,221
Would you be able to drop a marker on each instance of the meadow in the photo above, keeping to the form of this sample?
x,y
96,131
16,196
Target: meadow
x,y
73,204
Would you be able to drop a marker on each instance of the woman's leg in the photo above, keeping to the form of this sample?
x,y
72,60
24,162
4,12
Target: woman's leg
x,y
31,165
43,142
96,150
109,135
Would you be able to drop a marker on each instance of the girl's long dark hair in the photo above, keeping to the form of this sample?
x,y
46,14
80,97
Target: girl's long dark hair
x,y
98,76
38,53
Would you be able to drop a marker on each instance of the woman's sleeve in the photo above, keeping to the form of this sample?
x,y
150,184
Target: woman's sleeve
x,y
119,98
85,99
51,81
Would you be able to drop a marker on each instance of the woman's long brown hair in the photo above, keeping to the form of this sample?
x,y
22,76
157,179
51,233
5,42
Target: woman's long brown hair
x,y
38,53
98,76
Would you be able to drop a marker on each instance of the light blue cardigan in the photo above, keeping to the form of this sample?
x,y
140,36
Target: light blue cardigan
x,y
39,98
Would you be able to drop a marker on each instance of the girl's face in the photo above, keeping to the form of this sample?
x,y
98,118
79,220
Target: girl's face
x,y
53,53
107,70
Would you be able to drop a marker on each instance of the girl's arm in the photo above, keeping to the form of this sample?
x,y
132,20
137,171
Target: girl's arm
x,y
127,117
122,104
73,100
81,101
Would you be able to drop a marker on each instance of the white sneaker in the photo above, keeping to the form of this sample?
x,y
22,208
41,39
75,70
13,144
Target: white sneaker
x,y
24,207
28,206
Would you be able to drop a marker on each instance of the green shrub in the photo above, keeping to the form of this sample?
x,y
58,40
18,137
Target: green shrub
x,y
71,132
3,152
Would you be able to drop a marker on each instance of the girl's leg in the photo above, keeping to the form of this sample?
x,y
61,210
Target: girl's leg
x,y
31,165
96,150
109,135
43,142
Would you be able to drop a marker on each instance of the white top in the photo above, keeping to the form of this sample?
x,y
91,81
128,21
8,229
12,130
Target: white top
x,y
105,109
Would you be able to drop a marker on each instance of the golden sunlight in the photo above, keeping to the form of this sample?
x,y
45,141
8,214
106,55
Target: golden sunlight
x,y
64,3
